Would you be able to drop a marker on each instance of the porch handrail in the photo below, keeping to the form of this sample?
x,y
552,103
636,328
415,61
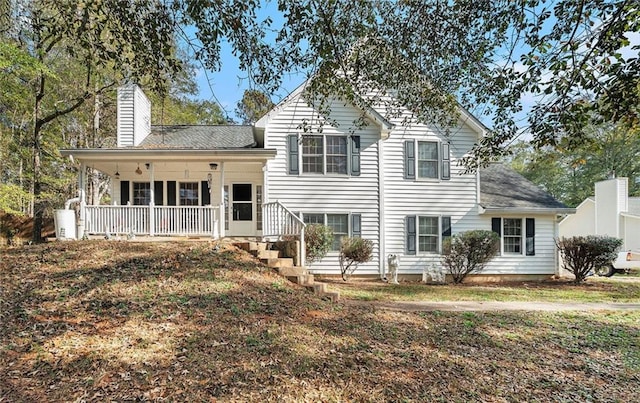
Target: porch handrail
x,y
153,220
279,221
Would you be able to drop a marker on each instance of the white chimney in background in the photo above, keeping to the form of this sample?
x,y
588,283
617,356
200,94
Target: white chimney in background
x,y
133,116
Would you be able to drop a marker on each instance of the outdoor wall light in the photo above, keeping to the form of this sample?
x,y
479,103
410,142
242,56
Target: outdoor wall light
x,y
147,165
117,174
138,170
213,166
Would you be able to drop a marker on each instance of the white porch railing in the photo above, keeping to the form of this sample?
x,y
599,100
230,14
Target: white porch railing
x,y
153,220
279,221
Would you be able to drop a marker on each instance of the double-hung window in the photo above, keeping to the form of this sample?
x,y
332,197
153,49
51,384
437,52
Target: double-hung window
x,y
425,234
339,224
312,154
517,235
324,154
427,160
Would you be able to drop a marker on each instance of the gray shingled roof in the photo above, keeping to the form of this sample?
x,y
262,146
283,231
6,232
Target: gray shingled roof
x,y
504,188
202,137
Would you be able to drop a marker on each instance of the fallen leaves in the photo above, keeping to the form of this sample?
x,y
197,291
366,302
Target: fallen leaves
x,y
103,321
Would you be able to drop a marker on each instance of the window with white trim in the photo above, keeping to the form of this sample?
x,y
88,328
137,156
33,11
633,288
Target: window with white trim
x,y
427,160
188,192
141,193
512,236
339,224
425,234
517,235
324,154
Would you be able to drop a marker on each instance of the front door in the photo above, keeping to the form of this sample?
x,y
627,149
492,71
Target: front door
x,y
242,211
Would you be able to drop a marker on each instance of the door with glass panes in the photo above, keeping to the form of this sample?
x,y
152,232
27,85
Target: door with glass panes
x,y
241,209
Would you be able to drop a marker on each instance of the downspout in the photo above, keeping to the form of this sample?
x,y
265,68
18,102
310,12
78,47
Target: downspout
x,y
152,199
223,213
83,202
381,204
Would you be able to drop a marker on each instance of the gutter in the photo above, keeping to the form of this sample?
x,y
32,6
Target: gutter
x,y
525,210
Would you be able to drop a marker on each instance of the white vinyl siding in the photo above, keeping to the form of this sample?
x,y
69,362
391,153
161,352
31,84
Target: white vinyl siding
x,y
332,193
455,198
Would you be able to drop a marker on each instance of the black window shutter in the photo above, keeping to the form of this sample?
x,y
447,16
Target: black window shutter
x,y
124,193
171,193
355,155
531,236
158,194
409,159
356,225
294,169
446,162
496,225
205,195
411,234
446,227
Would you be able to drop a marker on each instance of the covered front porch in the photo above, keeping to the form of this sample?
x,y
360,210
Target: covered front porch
x,y
213,193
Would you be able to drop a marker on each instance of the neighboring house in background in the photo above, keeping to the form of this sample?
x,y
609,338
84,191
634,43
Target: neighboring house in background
x,y
610,212
397,185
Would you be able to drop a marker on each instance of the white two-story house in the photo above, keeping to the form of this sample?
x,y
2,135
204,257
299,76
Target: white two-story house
x,y
399,185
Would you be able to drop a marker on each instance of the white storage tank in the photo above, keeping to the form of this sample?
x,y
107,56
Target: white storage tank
x,y
65,224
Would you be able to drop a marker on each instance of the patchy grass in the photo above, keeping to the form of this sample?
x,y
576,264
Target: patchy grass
x,y
621,289
117,321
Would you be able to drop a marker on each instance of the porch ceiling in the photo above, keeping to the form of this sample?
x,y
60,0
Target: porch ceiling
x,y
127,160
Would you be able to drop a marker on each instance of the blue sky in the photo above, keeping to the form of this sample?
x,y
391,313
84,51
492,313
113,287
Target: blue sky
x,y
226,86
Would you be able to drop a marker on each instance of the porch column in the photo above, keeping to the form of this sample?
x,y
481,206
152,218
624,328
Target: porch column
x,y
152,200
83,200
223,212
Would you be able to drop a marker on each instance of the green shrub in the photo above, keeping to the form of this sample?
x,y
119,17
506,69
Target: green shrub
x,y
582,255
354,251
469,252
318,239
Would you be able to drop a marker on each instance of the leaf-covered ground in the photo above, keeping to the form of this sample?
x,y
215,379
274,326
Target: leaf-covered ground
x,y
118,321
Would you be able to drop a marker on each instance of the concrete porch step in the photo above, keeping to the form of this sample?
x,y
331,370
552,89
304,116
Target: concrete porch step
x,y
278,262
251,246
265,254
302,279
292,271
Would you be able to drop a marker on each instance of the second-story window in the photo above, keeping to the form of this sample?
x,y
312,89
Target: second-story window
x,y
427,160
324,154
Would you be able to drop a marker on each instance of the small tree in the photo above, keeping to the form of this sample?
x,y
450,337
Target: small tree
x,y
354,251
469,252
318,239
581,255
